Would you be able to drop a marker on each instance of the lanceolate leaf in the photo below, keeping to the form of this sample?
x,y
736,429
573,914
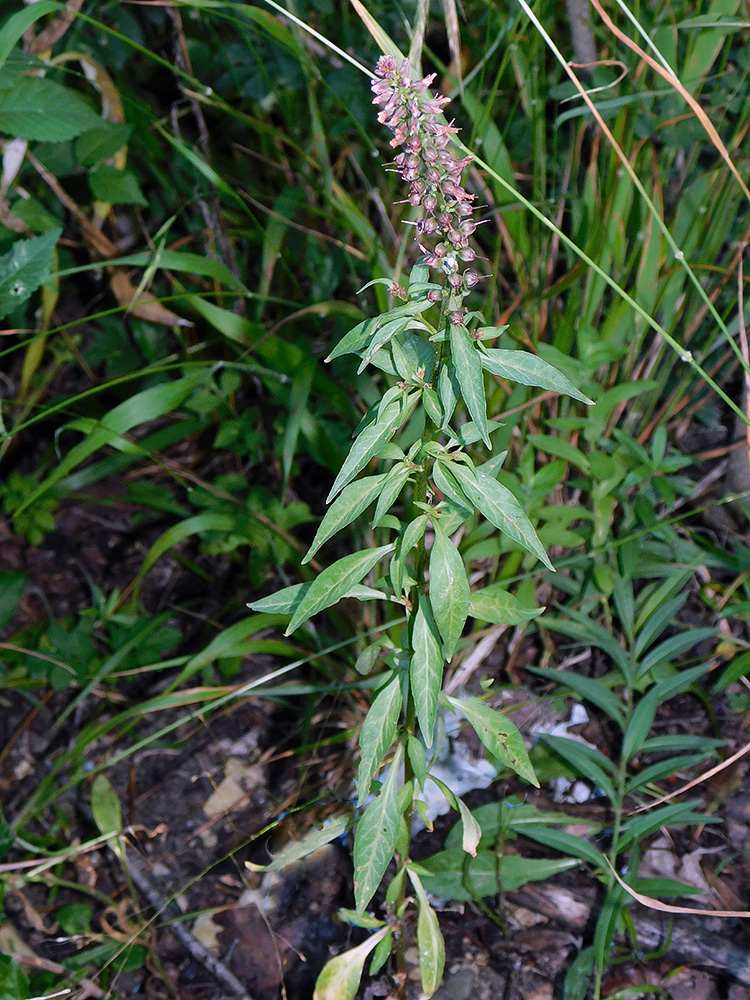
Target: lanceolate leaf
x,y
354,498
447,484
498,734
449,590
394,483
465,357
448,392
378,733
368,444
528,369
494,604
375,840
334,582
500,508
430,943
340,977
426,669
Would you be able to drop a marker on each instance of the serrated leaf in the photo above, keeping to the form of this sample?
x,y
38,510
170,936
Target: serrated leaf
x,y
430,943
426,668
339,979
40,109
334,583
449,590
23,269
529,369
502,509
375,839
311,842
498,734
465,357
352,501
367,445
494,604
378,733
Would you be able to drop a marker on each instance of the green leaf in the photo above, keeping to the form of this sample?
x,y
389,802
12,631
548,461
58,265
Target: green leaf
x,y
502,509
432,407
105,806
375,839
465,357
561,449
378,733
101,143
23,269
12,586
353,500
430,943
446,483
494,604
14,984
120,187
498,734
283,602
311,842
449,590
395,481
14,27
576,984
426,668
587,761
367,445
339,979
36,108
595,691
644,712
528,369
448,392
576,847
411,536
455,875
334,582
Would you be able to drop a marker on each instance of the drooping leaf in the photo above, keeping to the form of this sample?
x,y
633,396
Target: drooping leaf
x,y
494,604
23,269
449,590
465,357
339,979
334,583
430,943
528,369
426,668
375,839
499,735
351,502
502,509
367,445
378,733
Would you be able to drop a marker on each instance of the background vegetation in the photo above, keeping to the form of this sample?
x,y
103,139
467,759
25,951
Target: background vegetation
x,y
192,200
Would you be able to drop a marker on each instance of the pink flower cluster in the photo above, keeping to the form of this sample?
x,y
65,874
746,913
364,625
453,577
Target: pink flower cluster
x,y
432,171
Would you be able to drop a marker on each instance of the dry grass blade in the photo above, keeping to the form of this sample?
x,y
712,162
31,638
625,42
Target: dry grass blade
x,y
656,904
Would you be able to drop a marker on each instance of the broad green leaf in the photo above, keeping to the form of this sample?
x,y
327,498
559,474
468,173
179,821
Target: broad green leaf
x,y
498,734
494,604
430,943
375,839
367,445
449,590
502,509
339,979
40,109
351,502
119,187
465,357
426,668
528,369
594,690
283,602
334,583
589,762
311,842
101,143
23,269
378,733
395,481
455,875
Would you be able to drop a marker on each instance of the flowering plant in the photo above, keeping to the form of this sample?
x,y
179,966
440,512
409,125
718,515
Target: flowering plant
x,y
433,353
